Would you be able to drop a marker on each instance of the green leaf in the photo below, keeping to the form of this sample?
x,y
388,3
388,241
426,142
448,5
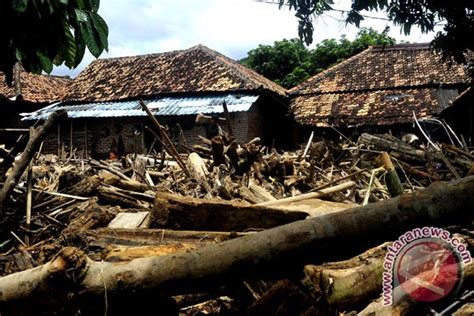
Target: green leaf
x,y
81,16
80,47
45,62
20,5
92,41
94,4
68,49
101,29
19,54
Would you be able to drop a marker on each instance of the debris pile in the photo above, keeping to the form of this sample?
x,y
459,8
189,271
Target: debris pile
x,y
189,233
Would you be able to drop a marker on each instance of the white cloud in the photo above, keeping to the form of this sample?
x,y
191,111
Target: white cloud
x,y
232,27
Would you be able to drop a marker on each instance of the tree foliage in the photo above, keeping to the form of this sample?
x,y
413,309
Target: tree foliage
x,y
289,62
457,17
43,33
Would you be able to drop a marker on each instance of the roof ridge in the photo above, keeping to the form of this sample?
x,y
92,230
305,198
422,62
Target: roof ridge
x,y
237,67
401,46
330,69
171,52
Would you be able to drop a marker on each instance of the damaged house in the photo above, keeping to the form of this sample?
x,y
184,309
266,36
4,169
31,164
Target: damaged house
x,y
30,93
383,89
104,110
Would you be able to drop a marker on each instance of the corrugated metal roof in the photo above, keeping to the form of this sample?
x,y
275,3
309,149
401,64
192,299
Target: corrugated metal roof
x,y
175,105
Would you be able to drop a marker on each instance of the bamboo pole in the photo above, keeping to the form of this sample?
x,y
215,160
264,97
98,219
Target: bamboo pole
x,y
392,180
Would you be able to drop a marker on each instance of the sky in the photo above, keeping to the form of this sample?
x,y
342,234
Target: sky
x,y
232,27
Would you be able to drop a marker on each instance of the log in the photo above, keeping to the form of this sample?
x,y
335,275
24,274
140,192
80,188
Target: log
x,y
37,137
165,138
389,143
198,171
218,151
106,166
143,237
311,195
260,192
116,181
335,281
182,212
125,253
406,305
72,275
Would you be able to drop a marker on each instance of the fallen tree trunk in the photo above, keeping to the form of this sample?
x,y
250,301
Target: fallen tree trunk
x,y
37,136
143,237
182,212
72,275
336,280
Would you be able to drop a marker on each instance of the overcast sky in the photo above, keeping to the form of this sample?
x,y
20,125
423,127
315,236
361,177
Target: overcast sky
x,y
232,27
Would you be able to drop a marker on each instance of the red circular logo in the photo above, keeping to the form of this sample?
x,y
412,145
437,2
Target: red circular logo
x,y
428,270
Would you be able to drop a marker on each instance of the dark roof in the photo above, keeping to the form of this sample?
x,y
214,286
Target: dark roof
x,y
37,88
381,85
197,69
379,107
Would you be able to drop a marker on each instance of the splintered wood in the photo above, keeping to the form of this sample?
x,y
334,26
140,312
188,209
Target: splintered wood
x,y
225,227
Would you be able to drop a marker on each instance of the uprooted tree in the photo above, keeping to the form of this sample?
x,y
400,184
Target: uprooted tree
x,y
71,275
40,34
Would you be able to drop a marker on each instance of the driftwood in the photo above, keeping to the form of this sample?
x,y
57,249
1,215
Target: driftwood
x,y
335,281
198,171
36,137
180,212
144,237
388,143
311,195
71,275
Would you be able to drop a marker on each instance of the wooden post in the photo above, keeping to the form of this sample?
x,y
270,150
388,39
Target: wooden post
x,y
85,140
70,141
29,195
227,117
59,140
165,139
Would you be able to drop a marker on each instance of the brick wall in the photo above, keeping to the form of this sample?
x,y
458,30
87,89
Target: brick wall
x,y
100,133
245,126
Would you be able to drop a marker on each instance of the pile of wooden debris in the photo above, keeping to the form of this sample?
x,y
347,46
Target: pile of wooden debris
x,y
226,228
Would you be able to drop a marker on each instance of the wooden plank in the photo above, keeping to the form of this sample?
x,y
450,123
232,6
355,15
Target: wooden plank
x,y
131,220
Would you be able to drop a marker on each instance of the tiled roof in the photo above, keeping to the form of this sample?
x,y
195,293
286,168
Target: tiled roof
x,y
405,65
198,69
381,107
381,85
37,88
